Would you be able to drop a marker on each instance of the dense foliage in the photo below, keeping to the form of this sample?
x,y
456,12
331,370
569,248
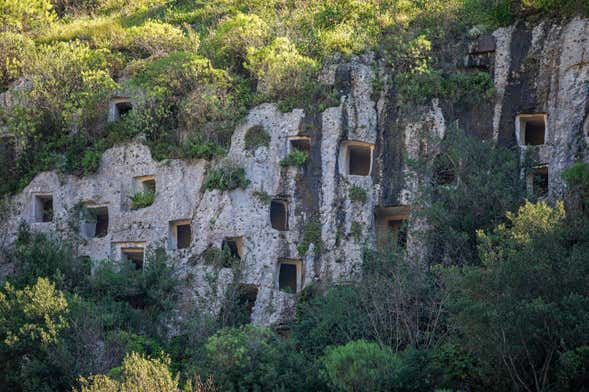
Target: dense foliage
x,y
195,67
499,303
512,316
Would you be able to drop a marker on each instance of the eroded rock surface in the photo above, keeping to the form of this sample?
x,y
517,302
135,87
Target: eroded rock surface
x,y
542,69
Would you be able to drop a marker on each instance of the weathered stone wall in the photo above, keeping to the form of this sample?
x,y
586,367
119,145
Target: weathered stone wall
x,y
536,69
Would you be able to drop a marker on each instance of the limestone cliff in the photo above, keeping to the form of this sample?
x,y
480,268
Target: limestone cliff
x,y
541,76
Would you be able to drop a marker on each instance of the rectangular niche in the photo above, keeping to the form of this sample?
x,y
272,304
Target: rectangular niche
x,y
95,222
279,214
144,192
43,207
135,254
119,107
392,226
531,129
538,181
233,245
247,296
180,235
300,143
290,275
355,158
145,184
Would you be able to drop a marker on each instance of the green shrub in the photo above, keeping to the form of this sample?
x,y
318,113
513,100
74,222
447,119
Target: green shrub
x,y
230,41
199,150
219,258
532,288
226,177
573,369
136,373
294,158
152,289
490,13
16,15
255,137
90,161
14,50
142,199
40,256
280,69
311,235
31,322
243,358
577,179
357,194
71,82
35,314
487,188
360,366
159,39
456,87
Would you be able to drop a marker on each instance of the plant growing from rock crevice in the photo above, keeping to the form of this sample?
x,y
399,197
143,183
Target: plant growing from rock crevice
x,y
256,137
295,158
142,199
226,176
311,235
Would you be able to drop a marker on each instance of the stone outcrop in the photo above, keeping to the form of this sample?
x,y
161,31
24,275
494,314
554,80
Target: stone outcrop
x,y
541,69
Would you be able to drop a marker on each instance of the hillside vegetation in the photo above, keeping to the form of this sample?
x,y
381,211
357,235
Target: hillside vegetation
x,y
502,302
194,67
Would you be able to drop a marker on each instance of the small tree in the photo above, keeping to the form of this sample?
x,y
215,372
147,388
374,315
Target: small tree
x,y
31,321
231,40
360,366
528,302
137,374
281,70
243,358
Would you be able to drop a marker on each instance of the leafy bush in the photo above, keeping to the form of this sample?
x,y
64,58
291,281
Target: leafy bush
x,y
219,258
522,310
31,320
255,137
136,373
199,150
17,16
294,158
456,87
226,177
35,314
142,199
40,256
577,179
242,358
71,82
487,188
492,14
159,39
323,320
14,50
360,366
357,194
152,289
280,69
231,40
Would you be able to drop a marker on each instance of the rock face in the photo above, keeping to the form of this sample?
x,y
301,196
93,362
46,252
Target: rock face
x,y
540,72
